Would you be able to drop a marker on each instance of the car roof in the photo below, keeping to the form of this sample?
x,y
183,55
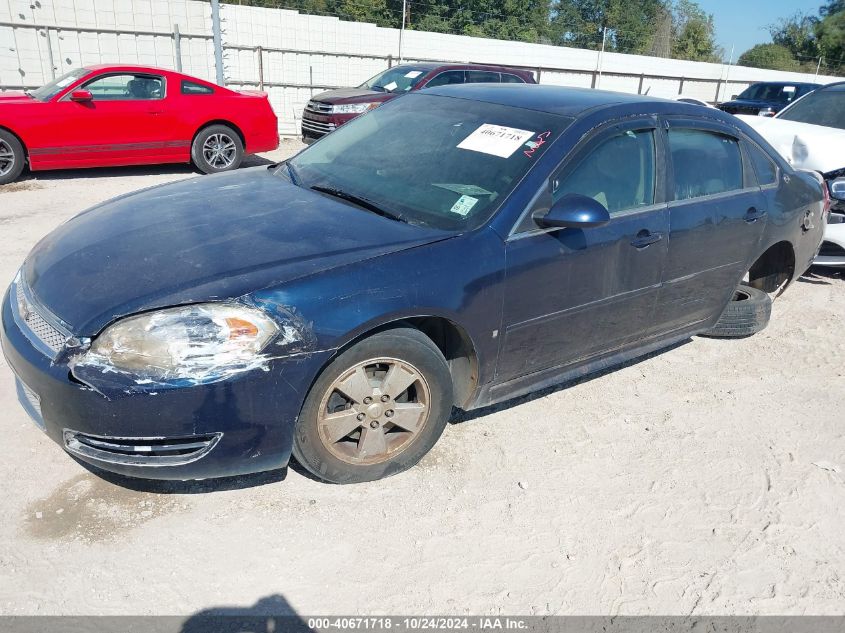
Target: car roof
x,y
785,83
463,66
560,100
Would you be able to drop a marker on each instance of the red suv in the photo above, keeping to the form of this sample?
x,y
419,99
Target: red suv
x,y
329,110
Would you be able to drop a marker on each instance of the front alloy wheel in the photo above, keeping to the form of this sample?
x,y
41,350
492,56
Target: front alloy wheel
x,y
376,410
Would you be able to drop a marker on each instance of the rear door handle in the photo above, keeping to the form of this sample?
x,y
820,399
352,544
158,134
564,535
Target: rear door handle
x,y
753,214
646,237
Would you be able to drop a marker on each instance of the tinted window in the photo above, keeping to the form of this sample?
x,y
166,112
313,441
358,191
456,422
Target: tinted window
x,y
512,79
447,78
705,163
437,161
397,79
767,172
482,76
126,88
778,93
823,107
193,88
619,172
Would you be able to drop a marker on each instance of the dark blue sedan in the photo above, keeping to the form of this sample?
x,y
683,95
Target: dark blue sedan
x,y
455,247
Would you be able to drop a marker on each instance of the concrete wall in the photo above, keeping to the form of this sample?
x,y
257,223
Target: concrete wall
x,y
304,54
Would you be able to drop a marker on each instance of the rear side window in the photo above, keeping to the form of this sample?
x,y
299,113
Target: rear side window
x,y
482,77
193,88
512,79
767,171
619,173
705,163
447,78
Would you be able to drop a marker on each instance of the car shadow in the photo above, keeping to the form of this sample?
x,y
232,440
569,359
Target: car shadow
x,y
130,170
192,487
271,613
820,275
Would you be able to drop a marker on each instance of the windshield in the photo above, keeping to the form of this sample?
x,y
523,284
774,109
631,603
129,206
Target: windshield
x,y
823,107
397,79
50,90
776,93
437,161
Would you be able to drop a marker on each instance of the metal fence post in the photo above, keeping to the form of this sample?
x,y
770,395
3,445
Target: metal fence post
x,y
218,40
50,54
177,47
681,87
260,67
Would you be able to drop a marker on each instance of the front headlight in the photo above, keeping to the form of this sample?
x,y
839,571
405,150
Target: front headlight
x,y
201,342
353,108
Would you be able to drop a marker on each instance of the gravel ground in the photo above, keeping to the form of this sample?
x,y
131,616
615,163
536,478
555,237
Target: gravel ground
x,y
709,479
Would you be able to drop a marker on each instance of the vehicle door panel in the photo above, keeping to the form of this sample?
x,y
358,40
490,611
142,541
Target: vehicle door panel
x,y
571,294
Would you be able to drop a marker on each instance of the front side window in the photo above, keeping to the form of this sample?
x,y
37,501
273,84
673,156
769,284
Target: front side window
x,y
618,173
446,79
398,79
126,87
825,106
704,163
437,161
482,77
50,90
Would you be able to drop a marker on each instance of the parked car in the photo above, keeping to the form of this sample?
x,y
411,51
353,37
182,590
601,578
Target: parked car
x,y
101,116
460,246
810,134
766,98
329,110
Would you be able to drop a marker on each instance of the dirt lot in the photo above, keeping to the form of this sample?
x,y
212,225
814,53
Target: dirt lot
x,y
708,479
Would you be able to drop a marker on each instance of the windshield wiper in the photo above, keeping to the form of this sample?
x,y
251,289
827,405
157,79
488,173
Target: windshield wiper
x,y
358,200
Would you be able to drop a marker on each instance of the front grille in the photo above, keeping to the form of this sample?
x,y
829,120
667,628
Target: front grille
x,y
829,249
318,107
140,451
315,127
48,334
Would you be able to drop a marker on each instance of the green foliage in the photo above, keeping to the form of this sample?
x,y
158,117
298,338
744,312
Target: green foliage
x,y
694,36
772,56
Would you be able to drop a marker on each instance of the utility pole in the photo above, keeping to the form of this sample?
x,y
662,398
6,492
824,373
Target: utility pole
x,y
601,55
402,27
728,71
218,40
818,66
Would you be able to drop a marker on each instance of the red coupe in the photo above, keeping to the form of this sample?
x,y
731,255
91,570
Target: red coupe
x,y
131,115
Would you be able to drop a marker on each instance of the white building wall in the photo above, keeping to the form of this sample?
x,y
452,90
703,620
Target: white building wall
x,y
308,50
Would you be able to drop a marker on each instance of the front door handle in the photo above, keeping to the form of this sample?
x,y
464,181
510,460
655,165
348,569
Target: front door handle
x,y
753,214
646,237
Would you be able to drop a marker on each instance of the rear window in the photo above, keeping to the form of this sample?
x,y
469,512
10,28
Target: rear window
x,y
193,88
767,171
705,163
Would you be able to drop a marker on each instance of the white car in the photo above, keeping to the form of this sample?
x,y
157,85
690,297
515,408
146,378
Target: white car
x,y
810,134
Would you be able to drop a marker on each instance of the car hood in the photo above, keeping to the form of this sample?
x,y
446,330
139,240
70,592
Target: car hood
x,y
14,97
803,145
204,239
352,95
754,103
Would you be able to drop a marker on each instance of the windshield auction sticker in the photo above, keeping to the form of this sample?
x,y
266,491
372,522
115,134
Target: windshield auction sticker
x,y
496,140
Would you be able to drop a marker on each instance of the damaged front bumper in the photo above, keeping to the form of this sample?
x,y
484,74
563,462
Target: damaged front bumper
x,y
240,425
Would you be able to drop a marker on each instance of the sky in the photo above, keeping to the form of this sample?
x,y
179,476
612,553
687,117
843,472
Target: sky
x,y
742,23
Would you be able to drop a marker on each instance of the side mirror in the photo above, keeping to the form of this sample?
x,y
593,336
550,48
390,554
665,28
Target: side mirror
x,y
734,97
837,189
576,212
81,96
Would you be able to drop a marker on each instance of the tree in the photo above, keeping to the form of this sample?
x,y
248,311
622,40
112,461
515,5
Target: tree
x,y
772,56
693,34
630,25
798,34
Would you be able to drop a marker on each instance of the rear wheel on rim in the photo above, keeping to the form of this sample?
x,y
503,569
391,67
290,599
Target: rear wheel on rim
x,y
376,410
12,157
217,148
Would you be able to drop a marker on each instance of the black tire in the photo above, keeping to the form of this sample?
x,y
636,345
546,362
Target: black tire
x,y
211,163
406,345
747,313
12,157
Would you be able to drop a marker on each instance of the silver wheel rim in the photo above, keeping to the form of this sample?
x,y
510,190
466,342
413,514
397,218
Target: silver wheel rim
x,y
219,151
373,411
7,158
